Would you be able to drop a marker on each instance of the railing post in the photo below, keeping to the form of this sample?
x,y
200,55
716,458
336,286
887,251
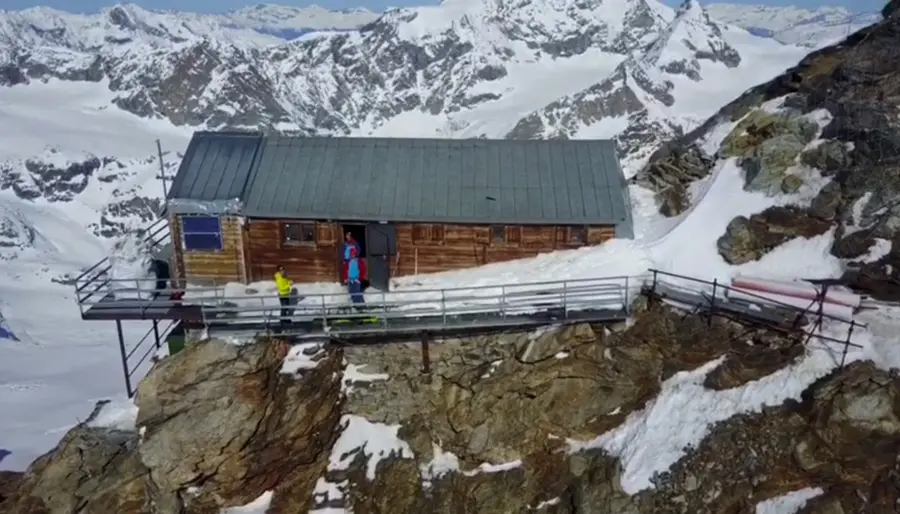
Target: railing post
x,y
443,307
847,343
156,333
565,299
426,358
324,313
712,302
503,302
627,307
655,278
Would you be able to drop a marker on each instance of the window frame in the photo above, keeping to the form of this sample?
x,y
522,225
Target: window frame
x,y
186,234
493,231
303,226
578,229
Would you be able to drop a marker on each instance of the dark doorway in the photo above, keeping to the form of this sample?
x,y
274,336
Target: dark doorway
x,y
359,234
382,240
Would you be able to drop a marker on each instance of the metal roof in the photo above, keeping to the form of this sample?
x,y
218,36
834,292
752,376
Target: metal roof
x,y
425,180
215,166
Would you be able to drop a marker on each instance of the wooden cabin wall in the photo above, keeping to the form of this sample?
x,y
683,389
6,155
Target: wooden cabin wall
x,y
316,261
211,267
430,248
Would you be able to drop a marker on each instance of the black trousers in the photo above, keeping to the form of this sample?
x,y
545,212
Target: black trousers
x,y
285,302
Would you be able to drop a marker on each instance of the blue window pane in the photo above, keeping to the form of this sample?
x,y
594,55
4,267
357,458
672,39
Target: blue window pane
x,y
200,224
202,242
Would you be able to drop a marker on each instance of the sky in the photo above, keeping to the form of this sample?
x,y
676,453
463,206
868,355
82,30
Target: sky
x,y
374,5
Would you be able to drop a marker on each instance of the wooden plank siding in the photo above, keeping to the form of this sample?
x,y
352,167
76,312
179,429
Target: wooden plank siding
x,y
316,261
421,248
431,248
212,267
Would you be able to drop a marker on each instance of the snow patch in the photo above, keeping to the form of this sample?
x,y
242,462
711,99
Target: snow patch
x,y
302,357
118,414
789,503
257,506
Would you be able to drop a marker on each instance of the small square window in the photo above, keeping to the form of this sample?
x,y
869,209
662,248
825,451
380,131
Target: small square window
x,y
578,235
498,234
299,233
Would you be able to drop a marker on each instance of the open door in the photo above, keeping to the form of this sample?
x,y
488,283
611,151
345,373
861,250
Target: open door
x,y
381,245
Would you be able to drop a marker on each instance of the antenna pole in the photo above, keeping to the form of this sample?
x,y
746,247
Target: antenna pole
x,y
162,172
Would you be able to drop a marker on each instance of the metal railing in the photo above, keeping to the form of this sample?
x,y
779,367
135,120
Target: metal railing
x,y
95,281
713,296
218,305
157,335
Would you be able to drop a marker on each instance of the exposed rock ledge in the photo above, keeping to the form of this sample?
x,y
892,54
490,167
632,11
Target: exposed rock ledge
x,y
223,424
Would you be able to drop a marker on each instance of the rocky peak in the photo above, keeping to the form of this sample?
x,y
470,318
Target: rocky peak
x,y
560,28
691,37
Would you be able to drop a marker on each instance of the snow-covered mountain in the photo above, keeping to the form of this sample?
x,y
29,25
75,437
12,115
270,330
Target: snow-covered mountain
x,y
812,28
289,22
633,69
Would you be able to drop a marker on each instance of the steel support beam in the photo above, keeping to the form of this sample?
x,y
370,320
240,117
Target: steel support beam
x,y
124,353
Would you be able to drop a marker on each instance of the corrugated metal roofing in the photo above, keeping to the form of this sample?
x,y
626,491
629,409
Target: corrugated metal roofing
x,y
437,180
216,166
392,179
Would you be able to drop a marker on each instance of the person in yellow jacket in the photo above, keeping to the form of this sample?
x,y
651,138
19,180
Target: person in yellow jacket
x,y
284,286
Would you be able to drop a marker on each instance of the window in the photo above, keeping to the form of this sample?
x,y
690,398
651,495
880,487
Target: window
x,y
420,233
498,234
201,233
437,233
299,233
578,235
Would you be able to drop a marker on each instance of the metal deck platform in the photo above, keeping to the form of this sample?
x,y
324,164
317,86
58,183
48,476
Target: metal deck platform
x,y
109,308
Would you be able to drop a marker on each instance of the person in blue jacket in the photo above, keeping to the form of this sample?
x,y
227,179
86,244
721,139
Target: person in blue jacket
x,y
355,274
350,244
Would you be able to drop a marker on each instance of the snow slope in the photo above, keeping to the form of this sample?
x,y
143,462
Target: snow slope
x,y
60,364
812,28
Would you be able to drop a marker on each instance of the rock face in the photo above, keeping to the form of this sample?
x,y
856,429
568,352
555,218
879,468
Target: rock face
x,y
494,428
748,239
823,139
219,425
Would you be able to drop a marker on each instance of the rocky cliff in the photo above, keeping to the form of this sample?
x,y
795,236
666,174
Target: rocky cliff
x,y
509,423
823,141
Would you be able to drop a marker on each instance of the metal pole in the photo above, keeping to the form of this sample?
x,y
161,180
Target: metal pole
x,y
124,355
847,343
162,172
156,333
712,302
426,359
565,302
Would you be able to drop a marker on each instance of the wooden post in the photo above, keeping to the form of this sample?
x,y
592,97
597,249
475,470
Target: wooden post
x,y
426,359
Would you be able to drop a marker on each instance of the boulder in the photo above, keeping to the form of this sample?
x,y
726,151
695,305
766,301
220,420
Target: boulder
x,y
748,239
791,183
759,126
829,157
828,203
92,471
670,172
853,245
